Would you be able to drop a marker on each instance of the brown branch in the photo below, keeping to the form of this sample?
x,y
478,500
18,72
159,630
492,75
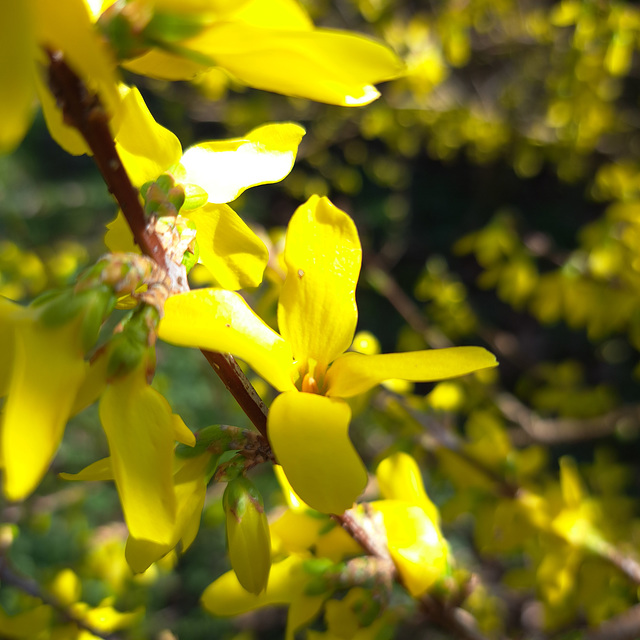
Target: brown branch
x,y
31,587
625,626
83,110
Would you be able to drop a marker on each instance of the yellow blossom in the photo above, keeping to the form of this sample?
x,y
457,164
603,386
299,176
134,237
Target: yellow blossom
x,y
308,422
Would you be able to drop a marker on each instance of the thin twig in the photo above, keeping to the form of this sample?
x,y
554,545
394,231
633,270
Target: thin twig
x,y
31,587
82,110
625,626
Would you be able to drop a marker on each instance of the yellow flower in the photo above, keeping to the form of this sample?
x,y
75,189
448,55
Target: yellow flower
x,y
308,422
213,173
411,520
266,44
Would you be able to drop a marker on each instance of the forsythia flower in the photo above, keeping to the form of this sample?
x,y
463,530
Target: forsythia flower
x,y
266,44
214,173
308,422
411,520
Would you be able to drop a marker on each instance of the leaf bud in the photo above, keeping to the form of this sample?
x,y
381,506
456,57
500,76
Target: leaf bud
x,y
248,537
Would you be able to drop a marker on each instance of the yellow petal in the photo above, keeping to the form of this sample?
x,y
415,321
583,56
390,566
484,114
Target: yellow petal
x,y
29,624
164,66
146,148
226,597
190,489
324,65
317,311
17,90
118,237
221,320
354,373
399,478
46,376
10,314
309,436
276,14
416,545
139,427
233,254
99,470
181,432
66,25
225,168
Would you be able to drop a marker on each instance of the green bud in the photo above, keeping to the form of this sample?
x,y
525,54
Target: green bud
x,y
123,26
60,307
132,345
195,197
100,302
174,27
248,537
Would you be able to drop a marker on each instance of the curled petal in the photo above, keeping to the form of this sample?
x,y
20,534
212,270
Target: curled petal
x,y
317,311
355,373
139,427
225,168
320,64
232,253
221,320
309,435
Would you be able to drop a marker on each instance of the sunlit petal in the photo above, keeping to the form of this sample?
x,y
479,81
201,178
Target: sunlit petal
x,y
324,65
232,253
355,373
309,436
146,148
139,427
317,311
225,168
221,320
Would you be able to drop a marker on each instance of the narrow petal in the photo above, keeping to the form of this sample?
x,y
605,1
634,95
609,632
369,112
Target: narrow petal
x,y
17,90
354,373
10,314
221,320
317,311
146,148
309,435
139,427
324,65
47,372
277,14
118,237
100,470
233,254
225,168
164,66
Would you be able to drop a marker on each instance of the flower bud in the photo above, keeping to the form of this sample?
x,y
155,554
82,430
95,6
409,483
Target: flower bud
x,y
248,537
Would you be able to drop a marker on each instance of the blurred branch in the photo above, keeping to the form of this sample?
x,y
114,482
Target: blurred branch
x,y
31,587
82,110
562,430
625,626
